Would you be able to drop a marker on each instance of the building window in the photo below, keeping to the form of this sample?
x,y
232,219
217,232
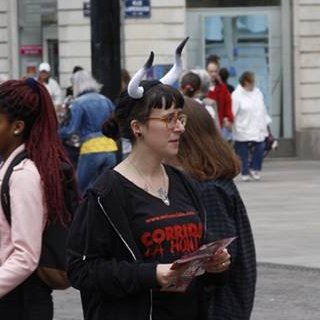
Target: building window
x,y
245,39
242,43
231,3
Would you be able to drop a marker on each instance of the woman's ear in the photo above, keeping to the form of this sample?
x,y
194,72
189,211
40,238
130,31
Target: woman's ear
x,y
18,127
135,126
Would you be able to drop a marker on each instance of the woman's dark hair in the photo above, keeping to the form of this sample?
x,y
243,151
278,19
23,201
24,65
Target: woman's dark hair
x,y
224,74
156,96
125,78
190,84
246,77
213,58
29,101
76,69
203,153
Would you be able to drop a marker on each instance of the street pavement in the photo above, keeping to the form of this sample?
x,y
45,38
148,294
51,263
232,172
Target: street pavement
x,y
284,211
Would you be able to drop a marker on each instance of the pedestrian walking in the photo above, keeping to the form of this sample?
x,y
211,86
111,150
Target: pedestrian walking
x,y
224,76
51,84
208,158
120,257
69,90
89,110
251,122
219,92
28,133
72,143
190,86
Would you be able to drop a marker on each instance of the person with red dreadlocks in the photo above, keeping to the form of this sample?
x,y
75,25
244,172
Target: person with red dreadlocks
x,y
28,124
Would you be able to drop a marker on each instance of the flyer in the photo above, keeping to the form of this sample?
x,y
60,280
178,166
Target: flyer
x,y
194,263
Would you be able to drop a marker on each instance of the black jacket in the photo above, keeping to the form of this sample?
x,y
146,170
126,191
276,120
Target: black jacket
x,y
227,216
104,261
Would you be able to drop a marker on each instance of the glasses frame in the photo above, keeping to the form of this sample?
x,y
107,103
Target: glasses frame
x,y
183,118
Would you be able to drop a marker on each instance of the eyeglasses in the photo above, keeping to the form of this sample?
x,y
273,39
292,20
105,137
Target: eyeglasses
x,y
171,120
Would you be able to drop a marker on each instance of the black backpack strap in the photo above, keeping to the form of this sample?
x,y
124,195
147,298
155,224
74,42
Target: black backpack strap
x,y
5,192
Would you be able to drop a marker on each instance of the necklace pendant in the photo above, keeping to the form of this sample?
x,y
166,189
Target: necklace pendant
x,y
166,201
164,196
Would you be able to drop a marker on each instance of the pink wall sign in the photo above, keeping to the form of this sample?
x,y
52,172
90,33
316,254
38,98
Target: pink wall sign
x,y
31,50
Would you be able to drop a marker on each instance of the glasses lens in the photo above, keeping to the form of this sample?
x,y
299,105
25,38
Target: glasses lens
x,y
183,119
172,119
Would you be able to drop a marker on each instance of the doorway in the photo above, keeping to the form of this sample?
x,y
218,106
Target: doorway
x,y
245,39
50,45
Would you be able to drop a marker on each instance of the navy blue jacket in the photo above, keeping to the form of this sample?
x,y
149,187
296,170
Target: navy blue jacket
x,y
227,216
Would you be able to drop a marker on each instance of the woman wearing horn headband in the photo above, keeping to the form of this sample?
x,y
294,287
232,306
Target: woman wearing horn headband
x,y
142,216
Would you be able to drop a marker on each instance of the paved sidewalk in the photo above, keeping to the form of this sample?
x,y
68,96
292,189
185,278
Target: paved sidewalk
x,y
287,293
284,209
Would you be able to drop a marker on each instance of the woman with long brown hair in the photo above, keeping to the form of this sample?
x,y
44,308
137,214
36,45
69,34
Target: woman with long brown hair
x,y
208,158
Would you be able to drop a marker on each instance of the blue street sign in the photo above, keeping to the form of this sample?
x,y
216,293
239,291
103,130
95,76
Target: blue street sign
x,y
86,9
137,9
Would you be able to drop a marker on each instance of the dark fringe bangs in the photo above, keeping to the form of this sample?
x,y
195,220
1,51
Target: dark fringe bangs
x,y
163,96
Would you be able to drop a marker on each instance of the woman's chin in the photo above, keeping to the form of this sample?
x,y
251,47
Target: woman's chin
x,y
173,151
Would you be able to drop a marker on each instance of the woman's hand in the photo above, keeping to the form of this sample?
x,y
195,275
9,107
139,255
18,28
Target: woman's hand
x,y
167,277
227,124
219,263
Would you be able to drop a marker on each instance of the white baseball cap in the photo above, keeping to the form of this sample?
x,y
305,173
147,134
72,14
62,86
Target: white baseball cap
x,y
44,66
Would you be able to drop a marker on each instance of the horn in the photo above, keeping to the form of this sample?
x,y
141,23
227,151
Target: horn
x,y
134,90
173,74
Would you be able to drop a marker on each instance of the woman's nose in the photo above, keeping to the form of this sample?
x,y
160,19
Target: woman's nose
x,y
179,128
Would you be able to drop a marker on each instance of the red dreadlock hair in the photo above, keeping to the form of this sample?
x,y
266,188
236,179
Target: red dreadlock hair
x,y
29,101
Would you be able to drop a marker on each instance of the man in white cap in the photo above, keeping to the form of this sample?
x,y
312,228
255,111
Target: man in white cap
x,y
51,84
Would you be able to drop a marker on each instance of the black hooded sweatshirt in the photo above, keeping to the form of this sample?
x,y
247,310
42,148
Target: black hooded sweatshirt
x,y
104,261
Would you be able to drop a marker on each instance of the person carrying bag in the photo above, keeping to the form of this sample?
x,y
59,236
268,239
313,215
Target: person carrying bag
x,y
38,196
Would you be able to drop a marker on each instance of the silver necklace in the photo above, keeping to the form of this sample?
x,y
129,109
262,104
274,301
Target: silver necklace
x,y
161,192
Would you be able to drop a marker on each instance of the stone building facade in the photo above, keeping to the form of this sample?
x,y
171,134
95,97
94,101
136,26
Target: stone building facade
x,y
281,38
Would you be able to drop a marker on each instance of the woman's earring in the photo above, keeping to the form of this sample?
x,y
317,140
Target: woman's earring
x,y
16,132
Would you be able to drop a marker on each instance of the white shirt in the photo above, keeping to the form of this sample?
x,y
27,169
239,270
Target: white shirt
x,y
250,115
54,91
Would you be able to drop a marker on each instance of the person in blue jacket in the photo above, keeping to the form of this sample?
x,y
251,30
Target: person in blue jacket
x,y
89,111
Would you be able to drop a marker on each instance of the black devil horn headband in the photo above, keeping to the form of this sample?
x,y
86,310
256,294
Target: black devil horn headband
x,y
136,92
174,73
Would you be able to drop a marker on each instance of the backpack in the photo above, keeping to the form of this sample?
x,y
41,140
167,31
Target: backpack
x,y
52,264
